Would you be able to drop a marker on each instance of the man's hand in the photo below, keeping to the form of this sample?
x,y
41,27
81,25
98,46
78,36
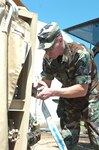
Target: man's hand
x,y
34,88
42,90
44,93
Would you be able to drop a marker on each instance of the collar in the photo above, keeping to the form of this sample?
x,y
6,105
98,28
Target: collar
x,y
49,60
67,54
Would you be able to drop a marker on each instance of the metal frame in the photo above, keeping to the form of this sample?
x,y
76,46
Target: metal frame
x,y
68,30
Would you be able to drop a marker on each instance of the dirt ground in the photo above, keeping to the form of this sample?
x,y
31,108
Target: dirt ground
x,y
47,142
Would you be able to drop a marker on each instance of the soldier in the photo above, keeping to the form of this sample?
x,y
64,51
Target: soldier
x,y
73,65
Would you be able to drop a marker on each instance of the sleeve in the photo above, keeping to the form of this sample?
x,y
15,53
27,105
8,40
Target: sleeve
x,y
47,72
83,68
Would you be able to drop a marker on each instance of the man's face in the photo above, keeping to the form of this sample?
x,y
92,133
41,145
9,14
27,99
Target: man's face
x,y
55,50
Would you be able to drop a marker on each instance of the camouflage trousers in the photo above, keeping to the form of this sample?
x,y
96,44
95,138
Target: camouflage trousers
x,y
71,113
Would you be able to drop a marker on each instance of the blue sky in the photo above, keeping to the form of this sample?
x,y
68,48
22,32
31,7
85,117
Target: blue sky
x,y
66,13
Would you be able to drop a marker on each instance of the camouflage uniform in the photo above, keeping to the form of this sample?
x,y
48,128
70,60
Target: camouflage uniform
x,y
76,66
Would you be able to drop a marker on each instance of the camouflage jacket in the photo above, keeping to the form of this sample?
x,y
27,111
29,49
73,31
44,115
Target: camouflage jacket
x,y
75,66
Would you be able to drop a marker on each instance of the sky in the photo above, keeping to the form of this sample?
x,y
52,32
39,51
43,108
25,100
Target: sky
x,y
66,13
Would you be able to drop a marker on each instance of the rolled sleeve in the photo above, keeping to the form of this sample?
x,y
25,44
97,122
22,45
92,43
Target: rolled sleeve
x,y
83,69
83,79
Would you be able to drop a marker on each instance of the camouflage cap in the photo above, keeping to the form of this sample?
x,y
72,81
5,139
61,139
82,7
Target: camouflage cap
x,y
48,34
